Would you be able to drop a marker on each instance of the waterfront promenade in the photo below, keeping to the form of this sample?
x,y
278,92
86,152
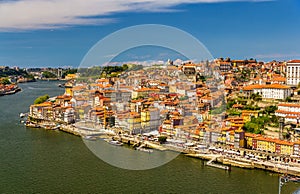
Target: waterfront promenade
x,y
222,157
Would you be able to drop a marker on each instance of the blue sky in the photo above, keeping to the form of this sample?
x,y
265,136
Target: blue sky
x,y
59,33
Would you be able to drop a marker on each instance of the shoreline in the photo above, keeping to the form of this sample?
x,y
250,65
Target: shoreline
x,y
221,159
267,166
11,92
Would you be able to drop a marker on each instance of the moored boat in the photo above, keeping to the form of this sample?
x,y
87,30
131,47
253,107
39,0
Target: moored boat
x,y
90,137
117,143
22,115
145,150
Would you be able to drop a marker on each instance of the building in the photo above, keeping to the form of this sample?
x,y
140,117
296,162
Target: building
x,y
289,111
248,114
134,123
225,66
239,139
293,72
269,91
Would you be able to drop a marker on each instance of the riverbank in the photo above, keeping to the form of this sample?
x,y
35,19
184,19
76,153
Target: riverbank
x,y
248,164
9,89
241,162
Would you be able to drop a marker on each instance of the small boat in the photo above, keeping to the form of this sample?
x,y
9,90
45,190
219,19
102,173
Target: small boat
x,y
33,125
22,115
90,138
117,143
145,150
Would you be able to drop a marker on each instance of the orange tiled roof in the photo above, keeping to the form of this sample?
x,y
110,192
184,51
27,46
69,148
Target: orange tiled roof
x,y
287,112
289,104
102,80
76,88
294,61
279,79
271,86
251,87
252,135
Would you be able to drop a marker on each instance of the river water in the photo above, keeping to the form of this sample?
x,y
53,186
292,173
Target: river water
x,y
41,161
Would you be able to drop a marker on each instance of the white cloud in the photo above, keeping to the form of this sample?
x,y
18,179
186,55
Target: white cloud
x,y
278,56
51,14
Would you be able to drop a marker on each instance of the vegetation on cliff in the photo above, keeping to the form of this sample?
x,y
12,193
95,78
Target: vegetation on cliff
x,y
41,99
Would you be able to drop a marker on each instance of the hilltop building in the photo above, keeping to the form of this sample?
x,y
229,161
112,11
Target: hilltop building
x,y
293,72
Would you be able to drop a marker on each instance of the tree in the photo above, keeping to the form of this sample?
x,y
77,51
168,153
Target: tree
x,y
183,98
41,99
162,139
230,103
5,81
124,67
288,99
48,74
256,97
270,109
69,71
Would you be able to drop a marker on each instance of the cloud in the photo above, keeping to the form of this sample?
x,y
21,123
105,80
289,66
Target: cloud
x,y
278,56
22,15
144,63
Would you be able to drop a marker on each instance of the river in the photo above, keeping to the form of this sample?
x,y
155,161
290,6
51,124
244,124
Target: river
x,y
42,161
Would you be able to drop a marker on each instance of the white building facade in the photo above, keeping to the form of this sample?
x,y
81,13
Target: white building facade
x,y
293,72
289,111
270,91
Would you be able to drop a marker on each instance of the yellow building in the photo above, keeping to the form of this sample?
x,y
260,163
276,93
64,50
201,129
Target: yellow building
x,y
247,114
249,139
286,147
70,76
235,122
266,144
145,116
134,122
145,120
69,89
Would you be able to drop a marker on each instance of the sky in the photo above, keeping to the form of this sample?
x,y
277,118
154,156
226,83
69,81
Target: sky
x,y
59,33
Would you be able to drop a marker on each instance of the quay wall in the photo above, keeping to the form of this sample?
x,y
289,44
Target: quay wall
x,y
242,163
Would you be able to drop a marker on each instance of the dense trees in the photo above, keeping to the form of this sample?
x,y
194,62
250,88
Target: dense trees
x,y
162,139
270,109
256,97
48,74
6,72
69,71
41,99
288,99
256,125
105,71
5,81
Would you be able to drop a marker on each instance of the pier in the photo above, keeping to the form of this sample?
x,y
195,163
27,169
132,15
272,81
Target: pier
x,y
209,163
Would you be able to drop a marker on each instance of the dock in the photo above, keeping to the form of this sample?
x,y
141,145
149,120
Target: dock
x,y
210,163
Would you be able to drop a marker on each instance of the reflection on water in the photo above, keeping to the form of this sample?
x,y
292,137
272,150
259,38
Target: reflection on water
x,y
127,158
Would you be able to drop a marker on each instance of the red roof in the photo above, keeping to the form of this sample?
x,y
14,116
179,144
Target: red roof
x,y
289,104
294,61
272,86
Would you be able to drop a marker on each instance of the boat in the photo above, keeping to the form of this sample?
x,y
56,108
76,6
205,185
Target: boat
x,y
117,143
145,150
22,115
90,137
33,125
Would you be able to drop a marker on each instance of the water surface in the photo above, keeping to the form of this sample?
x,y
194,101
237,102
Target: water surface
x,y
41,161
